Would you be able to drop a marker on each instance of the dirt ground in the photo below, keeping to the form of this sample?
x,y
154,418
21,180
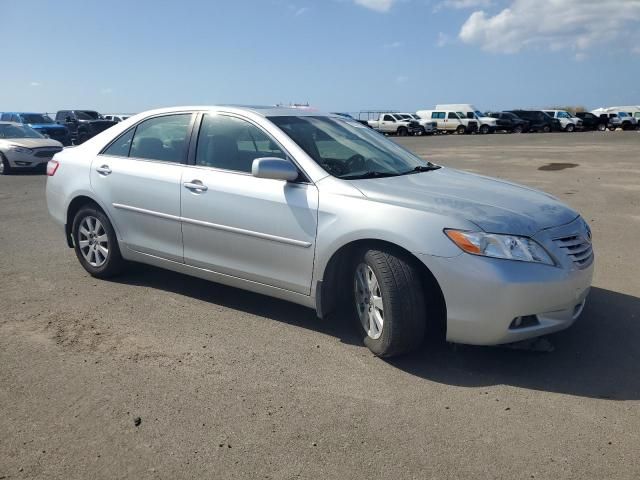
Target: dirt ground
x,y
159,375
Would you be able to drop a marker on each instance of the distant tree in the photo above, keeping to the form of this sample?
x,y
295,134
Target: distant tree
x,y
569,108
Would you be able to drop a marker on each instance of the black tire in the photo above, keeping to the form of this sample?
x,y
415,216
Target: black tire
x,y
570,128
546,129
402,132
402,296
114,263
461,130
484,129
5,168
626,126
612,129
601,127
517,129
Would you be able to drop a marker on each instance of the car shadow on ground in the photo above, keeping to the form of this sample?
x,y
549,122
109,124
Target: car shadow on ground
x,y
599,357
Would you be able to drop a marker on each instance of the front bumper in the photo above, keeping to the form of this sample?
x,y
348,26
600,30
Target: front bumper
x,y
485,295
25,160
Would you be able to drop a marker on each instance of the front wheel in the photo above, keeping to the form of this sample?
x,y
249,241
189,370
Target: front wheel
x,y
612,129
546,129
389,302
484,129
461,130
570,128
96,244
5,168
403,132
517,129
602,127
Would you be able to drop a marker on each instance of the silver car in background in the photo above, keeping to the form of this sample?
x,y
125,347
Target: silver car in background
x,y
21,148
322,211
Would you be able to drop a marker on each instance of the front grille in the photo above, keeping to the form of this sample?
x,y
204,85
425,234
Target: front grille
x,y
577,248
47,153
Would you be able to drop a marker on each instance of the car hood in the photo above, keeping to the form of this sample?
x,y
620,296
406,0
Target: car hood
x,y
29,142
488,119
494,205
46,126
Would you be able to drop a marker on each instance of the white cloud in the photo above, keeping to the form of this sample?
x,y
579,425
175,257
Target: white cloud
x,y
443,39
301,11
377,5
462,4
577,25
396,44
35,84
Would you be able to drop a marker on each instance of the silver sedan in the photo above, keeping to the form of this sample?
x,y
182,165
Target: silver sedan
x,y
320,210
21,147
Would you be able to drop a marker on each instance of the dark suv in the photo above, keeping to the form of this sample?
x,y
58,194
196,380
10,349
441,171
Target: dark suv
x,y
509,122
83,124
593,122
538,120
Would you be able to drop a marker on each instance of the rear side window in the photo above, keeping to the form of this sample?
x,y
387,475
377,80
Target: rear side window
x,y
161,138
231,143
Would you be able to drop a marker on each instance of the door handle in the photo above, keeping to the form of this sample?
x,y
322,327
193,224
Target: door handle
x,y
104,170
196,186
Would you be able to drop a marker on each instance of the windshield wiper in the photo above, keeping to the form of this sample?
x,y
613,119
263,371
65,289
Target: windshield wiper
x,y
422,168
369,174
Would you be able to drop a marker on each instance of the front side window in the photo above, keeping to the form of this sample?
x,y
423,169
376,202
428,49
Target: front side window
x,y
347,149
452,115
87,115
231,143
388,118
122,145
162,138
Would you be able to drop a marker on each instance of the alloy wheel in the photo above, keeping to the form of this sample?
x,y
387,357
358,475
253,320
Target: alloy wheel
x,y
93,241
369,303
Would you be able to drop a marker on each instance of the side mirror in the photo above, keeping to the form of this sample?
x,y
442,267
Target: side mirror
x,y
274,168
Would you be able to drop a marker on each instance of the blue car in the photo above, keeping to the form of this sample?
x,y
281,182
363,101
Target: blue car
x,y
40,123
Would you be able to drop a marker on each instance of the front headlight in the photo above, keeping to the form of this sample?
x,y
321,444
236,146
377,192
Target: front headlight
x,y
18,149
511,247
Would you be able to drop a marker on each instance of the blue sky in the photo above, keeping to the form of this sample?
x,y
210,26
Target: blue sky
x,y
338,55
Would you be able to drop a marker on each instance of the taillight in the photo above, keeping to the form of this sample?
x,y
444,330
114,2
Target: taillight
x,y
52,167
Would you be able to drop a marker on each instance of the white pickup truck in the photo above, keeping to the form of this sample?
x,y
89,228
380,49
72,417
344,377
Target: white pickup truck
x,y
396,124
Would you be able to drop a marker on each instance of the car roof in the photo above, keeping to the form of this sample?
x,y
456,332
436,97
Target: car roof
x,y
25,113
265,111
11,123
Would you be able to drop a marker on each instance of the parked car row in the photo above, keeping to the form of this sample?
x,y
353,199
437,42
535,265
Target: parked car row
x,y
465,118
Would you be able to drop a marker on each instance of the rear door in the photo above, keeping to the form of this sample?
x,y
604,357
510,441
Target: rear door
x,y
138,178
256,229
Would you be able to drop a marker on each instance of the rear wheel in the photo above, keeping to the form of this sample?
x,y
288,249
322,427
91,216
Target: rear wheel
x,y
517,129
546,129
484,129
612,129
389,302
5,168
403,132
96,244
601,127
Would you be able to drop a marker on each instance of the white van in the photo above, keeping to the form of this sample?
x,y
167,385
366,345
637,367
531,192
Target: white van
x,y
449,121
485,124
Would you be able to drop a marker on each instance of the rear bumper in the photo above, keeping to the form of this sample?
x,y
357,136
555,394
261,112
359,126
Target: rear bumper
x,y
484,296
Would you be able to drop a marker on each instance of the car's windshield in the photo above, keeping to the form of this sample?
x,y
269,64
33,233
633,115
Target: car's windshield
x,y
35,118
87,115
563,114
18,131
479,114
622,114
348,149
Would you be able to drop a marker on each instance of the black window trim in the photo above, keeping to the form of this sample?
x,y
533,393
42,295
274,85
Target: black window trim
x,y
188,138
